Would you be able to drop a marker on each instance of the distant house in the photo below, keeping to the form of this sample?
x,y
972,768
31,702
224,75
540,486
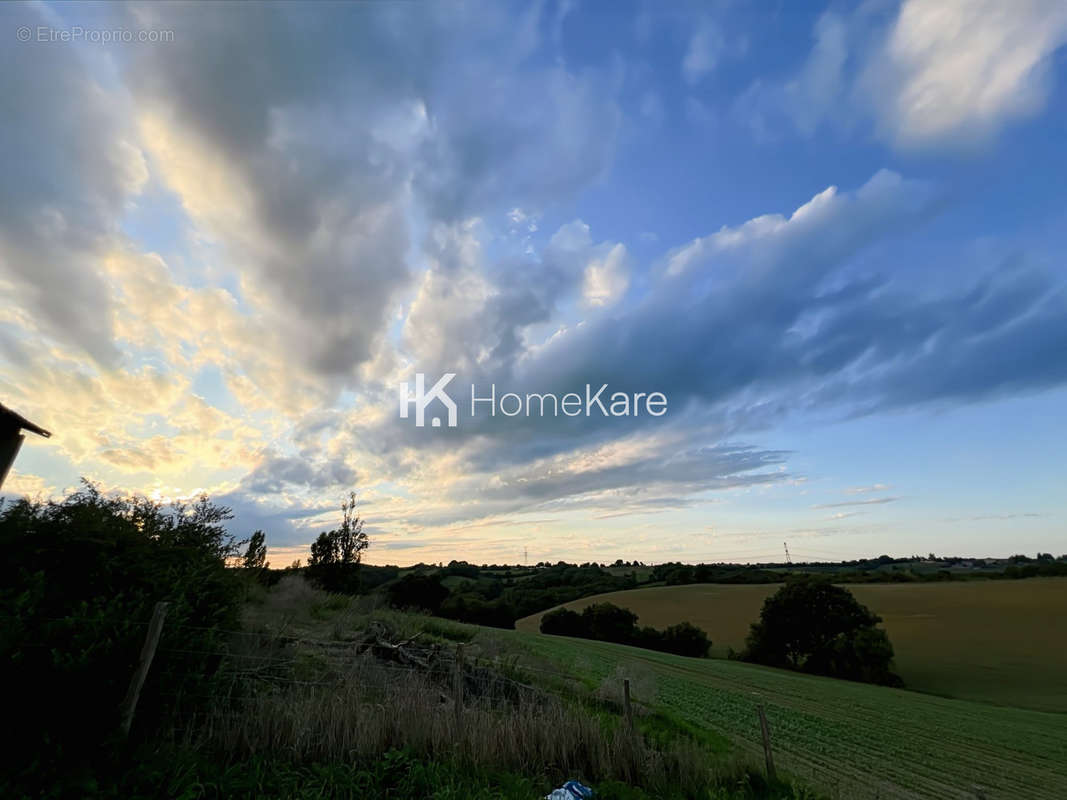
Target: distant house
x,y
12,425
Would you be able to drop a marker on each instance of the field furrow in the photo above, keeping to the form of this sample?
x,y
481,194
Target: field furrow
x,y
849,740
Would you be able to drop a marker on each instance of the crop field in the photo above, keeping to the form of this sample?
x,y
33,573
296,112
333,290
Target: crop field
x,y
995,641
852,741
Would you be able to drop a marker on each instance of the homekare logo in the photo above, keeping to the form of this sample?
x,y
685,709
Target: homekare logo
x,y
422,399
591,403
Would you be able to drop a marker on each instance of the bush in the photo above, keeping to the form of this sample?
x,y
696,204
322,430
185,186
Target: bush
x,y
85,574
686,639
564,622
417,591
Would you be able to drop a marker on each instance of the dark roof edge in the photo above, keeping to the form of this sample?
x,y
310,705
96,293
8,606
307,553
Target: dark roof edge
x,y
14,419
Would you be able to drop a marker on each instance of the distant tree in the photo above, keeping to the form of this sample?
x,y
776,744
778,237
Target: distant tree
x,y
564,622
418,590
609,622
811,625
256,555
686,639
323,551
606,622
336,554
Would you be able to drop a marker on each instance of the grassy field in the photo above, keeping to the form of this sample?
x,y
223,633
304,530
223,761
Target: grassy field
x,y
995,641
320,712
852,741
847,741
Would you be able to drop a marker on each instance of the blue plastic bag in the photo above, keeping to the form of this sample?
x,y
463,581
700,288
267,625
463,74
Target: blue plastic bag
x,y
571,790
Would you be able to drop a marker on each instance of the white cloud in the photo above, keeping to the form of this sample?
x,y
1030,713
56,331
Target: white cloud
x,y
964,68
606,279
877,501
813,94
877,487
705,49
942,72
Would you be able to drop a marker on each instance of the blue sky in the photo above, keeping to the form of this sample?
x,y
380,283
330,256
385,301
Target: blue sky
x,y
831,236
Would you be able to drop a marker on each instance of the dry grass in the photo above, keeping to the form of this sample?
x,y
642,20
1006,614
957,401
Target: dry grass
x,y
298,689
376,708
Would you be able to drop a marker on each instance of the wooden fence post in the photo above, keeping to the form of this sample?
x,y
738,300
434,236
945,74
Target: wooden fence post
x,y
765,729
626,703
148,652
457,687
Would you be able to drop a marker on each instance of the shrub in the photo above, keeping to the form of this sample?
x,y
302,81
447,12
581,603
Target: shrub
x,y
418,591
686,639
85,574
564,622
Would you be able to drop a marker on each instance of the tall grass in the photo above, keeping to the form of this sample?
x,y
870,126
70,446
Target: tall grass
x,y
380,709
314,700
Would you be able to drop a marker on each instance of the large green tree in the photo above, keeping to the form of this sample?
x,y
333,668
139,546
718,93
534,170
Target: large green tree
x,y
336,554
812,626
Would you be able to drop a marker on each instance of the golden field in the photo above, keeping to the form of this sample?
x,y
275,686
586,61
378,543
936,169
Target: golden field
x,y
995,641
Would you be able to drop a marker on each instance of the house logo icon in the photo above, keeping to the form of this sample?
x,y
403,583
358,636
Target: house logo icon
x,y
422,398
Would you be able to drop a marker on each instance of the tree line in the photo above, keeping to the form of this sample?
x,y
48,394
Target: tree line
x,y
607,622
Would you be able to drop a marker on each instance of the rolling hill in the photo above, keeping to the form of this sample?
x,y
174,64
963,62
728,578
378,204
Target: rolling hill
x,y
993,641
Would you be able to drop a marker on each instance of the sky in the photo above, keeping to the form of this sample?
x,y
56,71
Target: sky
x,y
830,237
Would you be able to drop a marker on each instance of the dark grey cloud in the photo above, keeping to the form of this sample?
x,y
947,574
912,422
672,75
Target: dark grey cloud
x,y
665,473
346,122
740,311
742,327
366,135
69,167
283,526
779,317
276,473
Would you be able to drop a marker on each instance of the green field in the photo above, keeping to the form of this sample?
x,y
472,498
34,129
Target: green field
x,y
849,740
994,641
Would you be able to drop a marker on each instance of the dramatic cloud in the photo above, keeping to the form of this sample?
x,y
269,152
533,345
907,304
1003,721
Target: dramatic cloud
x,y
325,154
70,164
227,252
